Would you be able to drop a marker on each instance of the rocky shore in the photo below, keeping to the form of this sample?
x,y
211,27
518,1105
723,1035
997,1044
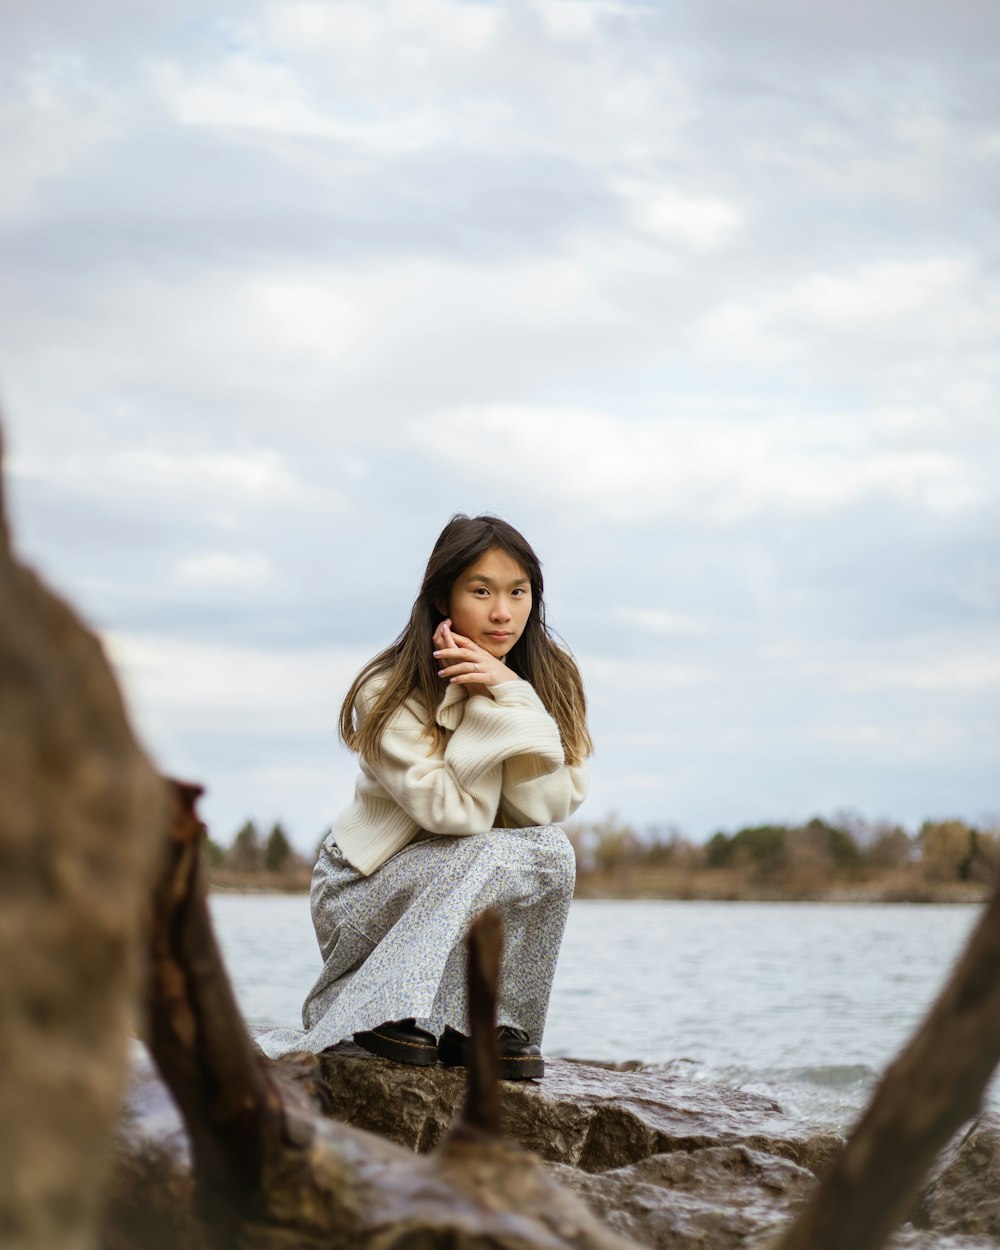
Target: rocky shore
x,y
665,1160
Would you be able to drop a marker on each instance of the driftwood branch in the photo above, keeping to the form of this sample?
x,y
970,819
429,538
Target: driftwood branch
x,y
482,1091
196,1033
932,1088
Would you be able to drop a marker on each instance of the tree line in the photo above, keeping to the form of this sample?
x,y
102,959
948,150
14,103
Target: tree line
x,y
804,860
257,858
790,860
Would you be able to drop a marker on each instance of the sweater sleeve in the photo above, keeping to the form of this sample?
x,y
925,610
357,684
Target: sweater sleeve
x,y
533,798
458,792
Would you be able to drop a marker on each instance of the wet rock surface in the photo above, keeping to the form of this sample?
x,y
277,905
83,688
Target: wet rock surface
x,y
911,1238
720,1196
660,1158
962,1195
585,1115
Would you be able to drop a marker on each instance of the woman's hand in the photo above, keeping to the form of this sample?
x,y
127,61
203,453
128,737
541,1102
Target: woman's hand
x,y
465,663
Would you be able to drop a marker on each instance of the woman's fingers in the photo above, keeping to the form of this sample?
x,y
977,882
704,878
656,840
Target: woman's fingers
x,y
456,661
472,668
465,662
459,640
453,658
442,635
458,671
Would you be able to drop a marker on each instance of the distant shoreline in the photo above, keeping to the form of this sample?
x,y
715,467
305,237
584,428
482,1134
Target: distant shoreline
x,y
843,860
743,885
696,890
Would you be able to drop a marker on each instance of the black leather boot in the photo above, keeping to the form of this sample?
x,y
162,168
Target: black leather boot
x,y
520,1059
401,1041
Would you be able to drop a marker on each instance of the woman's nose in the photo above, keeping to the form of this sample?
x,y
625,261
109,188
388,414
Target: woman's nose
x,y
501,612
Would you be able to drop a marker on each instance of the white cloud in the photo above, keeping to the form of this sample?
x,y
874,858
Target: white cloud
x,y
212,479
930,666
721,471
962,658
371,80
880,322
609,678
220,569
54,117
257,96
446,28
650,782
657,621
253,475
300,315
239,688
700,222
239,93
877,293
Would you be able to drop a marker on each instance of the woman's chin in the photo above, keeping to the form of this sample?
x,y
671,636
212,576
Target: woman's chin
x,y
499,650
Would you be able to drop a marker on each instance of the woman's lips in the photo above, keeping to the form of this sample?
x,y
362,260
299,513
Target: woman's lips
x,y
499,637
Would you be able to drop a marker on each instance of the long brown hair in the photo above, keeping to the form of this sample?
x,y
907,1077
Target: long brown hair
x,y
409,667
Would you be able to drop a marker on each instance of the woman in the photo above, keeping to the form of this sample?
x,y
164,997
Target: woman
x,y
472,737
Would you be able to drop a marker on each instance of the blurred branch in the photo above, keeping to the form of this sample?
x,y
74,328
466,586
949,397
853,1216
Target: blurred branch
x,y
933,1087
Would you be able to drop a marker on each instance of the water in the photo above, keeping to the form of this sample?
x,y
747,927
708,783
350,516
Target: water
x,y
803,1002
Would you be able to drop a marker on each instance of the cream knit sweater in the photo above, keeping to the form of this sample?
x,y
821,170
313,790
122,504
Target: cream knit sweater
x,y
502,763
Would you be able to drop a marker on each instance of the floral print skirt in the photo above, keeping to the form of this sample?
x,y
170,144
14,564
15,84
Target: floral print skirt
x,y
393,943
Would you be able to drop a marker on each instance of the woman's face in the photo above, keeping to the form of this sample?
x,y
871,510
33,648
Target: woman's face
x,y
490,602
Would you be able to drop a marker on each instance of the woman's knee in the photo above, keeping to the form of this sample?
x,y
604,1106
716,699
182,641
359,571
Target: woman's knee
x,y
561,855
551,851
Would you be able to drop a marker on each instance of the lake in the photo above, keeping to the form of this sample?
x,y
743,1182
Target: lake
x,y
804,1002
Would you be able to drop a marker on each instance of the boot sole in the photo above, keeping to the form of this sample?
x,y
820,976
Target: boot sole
x,y
521,1068
418,1054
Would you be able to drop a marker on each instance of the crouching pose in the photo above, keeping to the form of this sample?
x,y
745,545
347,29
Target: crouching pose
x,y
473,743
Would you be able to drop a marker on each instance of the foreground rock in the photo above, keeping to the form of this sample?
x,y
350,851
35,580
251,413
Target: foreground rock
x,y
963,1193
660,1158
582,1114
718,1196
663,1160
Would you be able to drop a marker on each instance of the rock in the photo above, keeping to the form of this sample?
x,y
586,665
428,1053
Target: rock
x,y
708,1196
963,1192
82,816
361,1192
584,1115
721,1196
661,1159
910,1238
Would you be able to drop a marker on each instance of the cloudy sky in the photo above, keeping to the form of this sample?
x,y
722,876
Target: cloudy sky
x,y
702,295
